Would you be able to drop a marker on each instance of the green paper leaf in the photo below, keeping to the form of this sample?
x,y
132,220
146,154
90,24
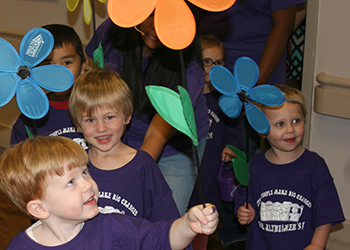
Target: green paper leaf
x,y
169,106
30,135
240,166
98,57
188,111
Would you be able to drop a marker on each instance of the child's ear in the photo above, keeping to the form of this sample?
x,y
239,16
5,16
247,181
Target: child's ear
x,y
127,120
83,66
37,209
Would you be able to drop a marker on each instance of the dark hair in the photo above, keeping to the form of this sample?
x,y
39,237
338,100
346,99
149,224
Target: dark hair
x,y
65,34
163,69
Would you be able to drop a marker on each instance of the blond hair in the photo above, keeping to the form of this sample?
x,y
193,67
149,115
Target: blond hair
x,y
209,41
25,167
99,88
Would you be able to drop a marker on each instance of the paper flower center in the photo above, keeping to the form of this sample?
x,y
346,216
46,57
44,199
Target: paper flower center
x,y
23,72
243,96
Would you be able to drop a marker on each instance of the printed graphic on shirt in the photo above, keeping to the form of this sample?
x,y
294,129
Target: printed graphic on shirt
x,y
68,130
212,117
125,204
282,216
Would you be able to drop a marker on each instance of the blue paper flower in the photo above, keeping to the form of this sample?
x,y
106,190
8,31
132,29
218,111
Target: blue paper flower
x,y
18,74
238,89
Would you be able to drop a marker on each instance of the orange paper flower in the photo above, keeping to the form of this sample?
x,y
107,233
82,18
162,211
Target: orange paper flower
x,y
173,20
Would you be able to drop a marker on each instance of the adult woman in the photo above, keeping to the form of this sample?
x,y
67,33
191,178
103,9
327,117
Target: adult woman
x,y
141,60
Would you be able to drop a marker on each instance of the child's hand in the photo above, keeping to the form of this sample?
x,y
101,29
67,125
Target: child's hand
x,y
244,215
203,221
227,154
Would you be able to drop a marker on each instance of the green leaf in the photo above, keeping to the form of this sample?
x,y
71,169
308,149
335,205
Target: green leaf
x,y
240,166
169,106
30,135
98,57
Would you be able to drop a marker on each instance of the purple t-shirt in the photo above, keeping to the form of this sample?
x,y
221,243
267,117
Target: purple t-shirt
x,y
244,29
290,201
137,189
223,130
138,126
105,232
56,122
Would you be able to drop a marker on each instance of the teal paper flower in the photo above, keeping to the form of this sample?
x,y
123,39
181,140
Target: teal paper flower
x,y
19,74
238,89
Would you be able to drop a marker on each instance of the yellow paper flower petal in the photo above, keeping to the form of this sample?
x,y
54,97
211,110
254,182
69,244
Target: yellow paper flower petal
x,y
102,1
87,12
213,5
174,24
129,13
72,5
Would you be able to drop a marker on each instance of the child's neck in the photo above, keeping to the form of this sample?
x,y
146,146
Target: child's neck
x,y
48,234
280,157
113,159
208,88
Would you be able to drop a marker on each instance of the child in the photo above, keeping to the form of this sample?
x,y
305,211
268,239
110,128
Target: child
x,y
223,130
292,198
47,178
130,181
68,51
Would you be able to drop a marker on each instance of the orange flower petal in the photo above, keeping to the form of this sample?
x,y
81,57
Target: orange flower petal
x,y
129,13
213,5
174,24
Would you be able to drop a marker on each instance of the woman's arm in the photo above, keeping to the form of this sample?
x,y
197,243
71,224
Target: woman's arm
x,y
157,135
282,27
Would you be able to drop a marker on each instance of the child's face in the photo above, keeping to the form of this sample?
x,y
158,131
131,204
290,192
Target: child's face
x,y
104,129
72,197
68,57
287,127
213,55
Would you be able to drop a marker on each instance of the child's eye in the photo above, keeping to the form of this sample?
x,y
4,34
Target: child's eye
x,y
109,117
279,124
85,172
66,63
296,120
90,120
70,183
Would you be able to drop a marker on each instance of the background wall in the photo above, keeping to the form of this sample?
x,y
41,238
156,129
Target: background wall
x,y
327,50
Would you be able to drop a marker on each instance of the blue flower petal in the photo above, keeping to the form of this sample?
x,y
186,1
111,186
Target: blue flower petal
x,y
35,46
223,80
267,95
9,59
55,78
8,83
31,99
230,105
246,72
256,118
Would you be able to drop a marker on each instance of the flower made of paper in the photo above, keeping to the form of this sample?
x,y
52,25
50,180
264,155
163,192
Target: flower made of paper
x,y
72,5
238,89
173,20
18,74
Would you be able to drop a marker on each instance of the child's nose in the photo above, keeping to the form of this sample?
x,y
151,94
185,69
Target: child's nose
x,y
290,128
87,185
101,126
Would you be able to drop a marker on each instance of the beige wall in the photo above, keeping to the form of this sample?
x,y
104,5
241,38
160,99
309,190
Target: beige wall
x,y
327,50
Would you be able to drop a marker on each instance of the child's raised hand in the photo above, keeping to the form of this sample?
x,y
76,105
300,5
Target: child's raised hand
x,y
203,221
244,215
